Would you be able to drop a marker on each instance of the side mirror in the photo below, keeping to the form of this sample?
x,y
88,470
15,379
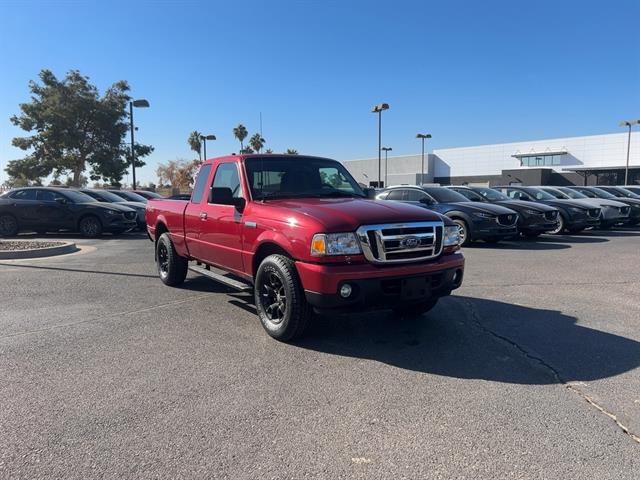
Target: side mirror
x,y
369,192
224,196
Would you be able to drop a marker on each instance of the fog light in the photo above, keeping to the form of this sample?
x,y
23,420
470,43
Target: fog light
x,y
345,290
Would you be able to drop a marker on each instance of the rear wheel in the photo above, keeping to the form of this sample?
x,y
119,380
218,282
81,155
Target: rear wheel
x,y
416,309
90,226
8,226
172,268
279,297
463,230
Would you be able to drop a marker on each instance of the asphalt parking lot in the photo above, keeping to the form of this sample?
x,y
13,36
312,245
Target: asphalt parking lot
x,y
531,370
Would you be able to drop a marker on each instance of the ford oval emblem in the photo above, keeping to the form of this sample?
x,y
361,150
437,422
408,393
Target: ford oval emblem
x,y
410,242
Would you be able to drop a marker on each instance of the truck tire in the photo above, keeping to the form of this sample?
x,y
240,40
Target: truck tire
x,y
8,226
282,307
416,309
90,226
172,268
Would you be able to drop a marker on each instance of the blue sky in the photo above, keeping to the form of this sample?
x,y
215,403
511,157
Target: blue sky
x,y
468,72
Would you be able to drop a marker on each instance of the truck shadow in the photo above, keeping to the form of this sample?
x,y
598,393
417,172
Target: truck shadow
x,y
473,338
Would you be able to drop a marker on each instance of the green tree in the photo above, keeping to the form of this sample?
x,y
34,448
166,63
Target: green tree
x,y
178,173
195,143
268,150
74,129
240,132
256,142
291,151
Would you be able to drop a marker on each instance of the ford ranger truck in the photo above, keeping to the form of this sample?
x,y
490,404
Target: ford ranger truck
x,y
301,233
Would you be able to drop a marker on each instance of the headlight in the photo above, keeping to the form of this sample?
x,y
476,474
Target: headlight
x,y
532,212
451,236
335,244
111,212
484,215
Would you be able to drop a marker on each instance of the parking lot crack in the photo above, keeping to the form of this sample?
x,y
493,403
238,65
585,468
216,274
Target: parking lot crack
x,y
477,320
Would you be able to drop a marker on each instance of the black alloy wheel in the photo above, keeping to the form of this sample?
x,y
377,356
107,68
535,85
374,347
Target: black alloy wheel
x,y
8,226
90,226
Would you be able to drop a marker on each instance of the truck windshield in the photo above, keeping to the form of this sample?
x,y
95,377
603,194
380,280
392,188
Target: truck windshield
x,y
298,177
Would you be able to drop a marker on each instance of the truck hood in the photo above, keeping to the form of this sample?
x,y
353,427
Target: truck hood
x,y
347,214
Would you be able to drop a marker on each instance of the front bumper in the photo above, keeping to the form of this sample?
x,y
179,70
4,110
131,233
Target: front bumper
x,y
490,229
380,286
119,224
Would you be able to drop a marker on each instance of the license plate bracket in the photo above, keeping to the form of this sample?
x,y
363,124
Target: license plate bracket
x,y
415,287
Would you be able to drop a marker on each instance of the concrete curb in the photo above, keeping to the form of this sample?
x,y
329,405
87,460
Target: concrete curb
x,y
66,247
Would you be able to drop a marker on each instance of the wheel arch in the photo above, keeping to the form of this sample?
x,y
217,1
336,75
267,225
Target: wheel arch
x,y
263,251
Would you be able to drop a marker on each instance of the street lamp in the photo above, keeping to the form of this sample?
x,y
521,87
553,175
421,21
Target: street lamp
x,y
386,152
204,139
422,136
628,123
378,109
141,103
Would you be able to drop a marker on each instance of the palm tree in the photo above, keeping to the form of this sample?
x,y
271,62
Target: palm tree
x,y
268,150
195,143
240,132
256,142
291,151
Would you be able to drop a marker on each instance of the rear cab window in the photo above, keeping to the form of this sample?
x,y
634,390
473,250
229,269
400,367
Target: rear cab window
x,y
201,183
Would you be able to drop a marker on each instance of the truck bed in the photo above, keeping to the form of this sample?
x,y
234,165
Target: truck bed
x,y
171,214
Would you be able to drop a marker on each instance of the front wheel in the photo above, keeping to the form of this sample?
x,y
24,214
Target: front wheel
x,y
559,226
279,297
463,230
416,309
172,268
90,226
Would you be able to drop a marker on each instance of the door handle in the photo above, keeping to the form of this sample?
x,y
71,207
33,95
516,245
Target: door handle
x,y
203,215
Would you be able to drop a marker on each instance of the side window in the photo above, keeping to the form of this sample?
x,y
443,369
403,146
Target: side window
x,y
227,176
397,194
201,183
49,196
414,195
29,194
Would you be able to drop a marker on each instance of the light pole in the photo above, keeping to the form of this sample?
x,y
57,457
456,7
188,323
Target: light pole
x,y
628,123
422,136
378,109
141,103
204,139
386,152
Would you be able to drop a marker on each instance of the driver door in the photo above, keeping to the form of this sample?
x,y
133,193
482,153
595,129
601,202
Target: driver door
x,y
220,238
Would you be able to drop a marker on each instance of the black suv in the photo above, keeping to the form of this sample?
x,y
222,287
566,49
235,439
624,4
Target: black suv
x,y
43,209
533,218
487,222
574,216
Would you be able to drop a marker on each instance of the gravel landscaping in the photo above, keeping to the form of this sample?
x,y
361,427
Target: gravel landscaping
x,y
12,246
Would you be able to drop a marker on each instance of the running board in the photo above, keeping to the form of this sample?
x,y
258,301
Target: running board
x,y
217,277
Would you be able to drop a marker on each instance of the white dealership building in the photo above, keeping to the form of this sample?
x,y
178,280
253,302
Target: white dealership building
x,y
593,159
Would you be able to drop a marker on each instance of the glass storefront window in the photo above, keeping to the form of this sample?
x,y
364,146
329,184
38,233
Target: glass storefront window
x,y
541,160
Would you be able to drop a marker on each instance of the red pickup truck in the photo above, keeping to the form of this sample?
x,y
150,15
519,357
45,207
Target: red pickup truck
x,y
301,233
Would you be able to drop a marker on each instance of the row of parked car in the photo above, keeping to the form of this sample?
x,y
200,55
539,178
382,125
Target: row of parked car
x,y
500,212
481,213
89,212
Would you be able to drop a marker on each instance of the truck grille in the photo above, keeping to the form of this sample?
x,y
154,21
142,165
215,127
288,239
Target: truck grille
x,y
401,242
507,219
553,215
